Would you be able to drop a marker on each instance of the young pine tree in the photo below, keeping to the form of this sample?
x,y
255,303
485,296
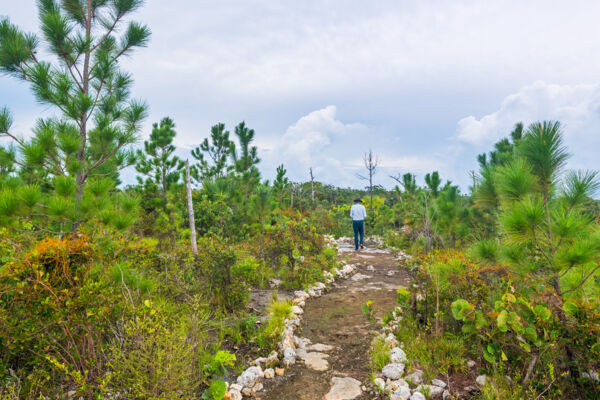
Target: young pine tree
x,y
68,169
157,162
213,155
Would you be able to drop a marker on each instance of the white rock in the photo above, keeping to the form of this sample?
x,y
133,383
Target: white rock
x,y
316,361
273,283
320,347
415,378
289,356
445,395
236,386
312,293
359,277
481,380
390,273
417,396
301,342
379,384
403,392
344,389
273,358
320,286
393,371
257,387
301,294
395,396
370,268
297,310
401,383
471,363
235,394
269,373
391,340
431,389
250,376
397,355
438,382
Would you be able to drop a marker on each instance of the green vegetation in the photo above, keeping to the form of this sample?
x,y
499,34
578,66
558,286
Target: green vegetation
x,y
102,295
518,289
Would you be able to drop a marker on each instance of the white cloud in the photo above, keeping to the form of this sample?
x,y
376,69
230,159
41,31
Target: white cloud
x,y
577,107
321,141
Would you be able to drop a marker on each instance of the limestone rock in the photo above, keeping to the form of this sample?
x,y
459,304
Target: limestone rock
x,y
445,395
417,396
391,340
431,389
269,373
320,347
471,363
279,371
379,384
402,392
393,371
316,361
360,277
481,380
415,378
301,294
370,268
234,395
257,387
397,355
250,376
297,310
438,382
344,389
289,356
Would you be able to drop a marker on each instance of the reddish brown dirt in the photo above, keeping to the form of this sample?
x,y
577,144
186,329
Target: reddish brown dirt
x,y
336,319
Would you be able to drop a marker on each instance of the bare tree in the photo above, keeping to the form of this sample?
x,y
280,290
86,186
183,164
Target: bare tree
x,y
371,162
312,185
190,205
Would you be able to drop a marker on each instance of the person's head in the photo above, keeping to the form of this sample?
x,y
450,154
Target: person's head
x,y
357,200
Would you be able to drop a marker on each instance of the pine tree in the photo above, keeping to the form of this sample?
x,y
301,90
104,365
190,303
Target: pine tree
x,y
281,182
218,150
245,162
157,162
433,182
70,165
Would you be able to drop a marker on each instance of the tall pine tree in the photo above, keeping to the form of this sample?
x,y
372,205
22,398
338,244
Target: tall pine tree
x,y
70,165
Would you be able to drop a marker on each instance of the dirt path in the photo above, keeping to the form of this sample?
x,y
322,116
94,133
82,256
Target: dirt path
x,y
335,319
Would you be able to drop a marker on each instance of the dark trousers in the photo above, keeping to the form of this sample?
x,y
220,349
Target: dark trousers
x,y
359,228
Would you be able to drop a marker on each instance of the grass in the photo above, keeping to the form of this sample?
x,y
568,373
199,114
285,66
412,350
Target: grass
x,y
380,354
435,355
498,387
279,311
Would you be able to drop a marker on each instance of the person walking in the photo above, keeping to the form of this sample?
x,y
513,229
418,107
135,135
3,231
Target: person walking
x,y
358,212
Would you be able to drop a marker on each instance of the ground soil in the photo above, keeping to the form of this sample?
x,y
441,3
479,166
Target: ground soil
x,y
336,319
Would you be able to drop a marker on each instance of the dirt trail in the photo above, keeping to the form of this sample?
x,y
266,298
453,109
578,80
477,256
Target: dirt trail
x,y
336,319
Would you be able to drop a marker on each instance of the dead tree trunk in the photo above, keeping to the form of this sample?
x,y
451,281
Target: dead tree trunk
x,y
312,185
371,163
190,205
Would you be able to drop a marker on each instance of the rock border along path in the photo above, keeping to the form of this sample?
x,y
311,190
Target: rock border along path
x,y
325,346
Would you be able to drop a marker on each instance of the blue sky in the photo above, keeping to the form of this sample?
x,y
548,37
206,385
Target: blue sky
x,y
426,84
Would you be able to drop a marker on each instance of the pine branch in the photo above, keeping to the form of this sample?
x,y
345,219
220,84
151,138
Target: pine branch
x,y
583,281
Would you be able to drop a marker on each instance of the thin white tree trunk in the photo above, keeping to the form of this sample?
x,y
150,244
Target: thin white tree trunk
x,y
188,186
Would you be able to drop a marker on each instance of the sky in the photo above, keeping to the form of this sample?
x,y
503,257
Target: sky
x,y
427,85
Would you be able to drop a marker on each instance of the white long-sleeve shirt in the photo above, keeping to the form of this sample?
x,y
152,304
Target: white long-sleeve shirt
x,y
358,212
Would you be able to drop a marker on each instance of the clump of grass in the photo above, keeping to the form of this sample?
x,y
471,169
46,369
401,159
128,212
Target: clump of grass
x,y
279,311
435,355
380,354
499,387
